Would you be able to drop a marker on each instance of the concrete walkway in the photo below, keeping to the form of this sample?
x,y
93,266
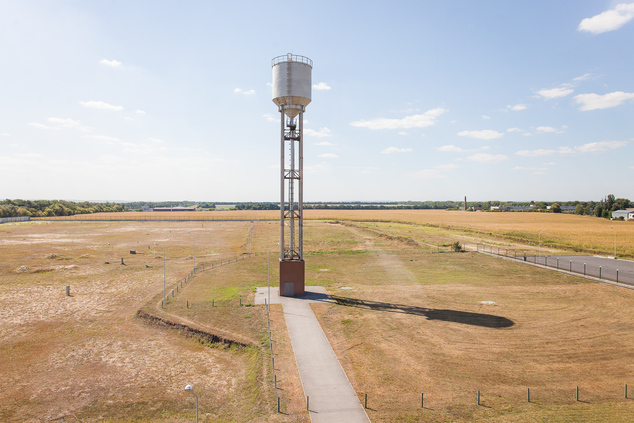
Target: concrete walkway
x,y
331,396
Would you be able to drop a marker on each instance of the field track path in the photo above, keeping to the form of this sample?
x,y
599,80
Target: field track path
x,y
393,265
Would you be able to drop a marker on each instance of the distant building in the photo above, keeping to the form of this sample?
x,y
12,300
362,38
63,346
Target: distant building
x,y
174,209
625,214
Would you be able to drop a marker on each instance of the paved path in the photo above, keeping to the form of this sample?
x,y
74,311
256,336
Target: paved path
x,y
332,398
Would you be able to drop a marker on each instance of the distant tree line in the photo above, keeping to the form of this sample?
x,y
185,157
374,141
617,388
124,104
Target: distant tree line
x,y
603,208
14,208
139,205
257,206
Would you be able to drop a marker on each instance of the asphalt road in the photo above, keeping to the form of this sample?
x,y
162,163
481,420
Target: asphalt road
x,y
617,270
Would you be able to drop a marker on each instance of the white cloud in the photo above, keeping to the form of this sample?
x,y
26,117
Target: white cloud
x,y
322,86
550,93
402,133
390,150
245,92
592,147
60,123
5,134
486,134
609,20
328,156
324,143
112,63
582,77
596,101
600,146
486,117
550,129
156,140
545,152
41,126
415,121
450,148
100,105
435,172
514,130
517,107
487,158
139,112
323,132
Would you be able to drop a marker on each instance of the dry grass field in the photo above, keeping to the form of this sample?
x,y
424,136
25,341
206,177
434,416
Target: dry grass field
x,y
88,358
568,232
409,320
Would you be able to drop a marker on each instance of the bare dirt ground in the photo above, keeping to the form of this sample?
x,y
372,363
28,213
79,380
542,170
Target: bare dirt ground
x,y
86,357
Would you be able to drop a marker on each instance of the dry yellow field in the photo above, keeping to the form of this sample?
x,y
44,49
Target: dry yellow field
x,y
568,232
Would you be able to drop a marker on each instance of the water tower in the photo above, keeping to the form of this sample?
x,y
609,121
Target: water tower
x,y
291,94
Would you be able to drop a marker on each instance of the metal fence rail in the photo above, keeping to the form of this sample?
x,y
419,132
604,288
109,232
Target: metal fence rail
x,y
621,271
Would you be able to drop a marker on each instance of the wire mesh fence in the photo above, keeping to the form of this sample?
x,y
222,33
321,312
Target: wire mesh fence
x,y
610,269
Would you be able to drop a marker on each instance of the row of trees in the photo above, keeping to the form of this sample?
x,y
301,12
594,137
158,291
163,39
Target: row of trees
x,y
139,205
14,208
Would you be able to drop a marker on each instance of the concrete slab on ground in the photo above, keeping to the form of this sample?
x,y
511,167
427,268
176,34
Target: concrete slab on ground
x,y
331,396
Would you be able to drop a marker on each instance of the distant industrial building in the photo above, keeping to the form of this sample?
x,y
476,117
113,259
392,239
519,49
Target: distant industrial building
x,y
625,214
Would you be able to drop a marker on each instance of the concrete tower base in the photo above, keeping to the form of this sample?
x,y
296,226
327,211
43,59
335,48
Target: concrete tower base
x,y
292,278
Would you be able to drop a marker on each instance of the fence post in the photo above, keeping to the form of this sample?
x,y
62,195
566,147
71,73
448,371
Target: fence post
x,y
617,275
570,269
307,403
278,404
626,390
558,263
528,394
577,394
599,272
422,399
366,401
68,290
584,269
478,397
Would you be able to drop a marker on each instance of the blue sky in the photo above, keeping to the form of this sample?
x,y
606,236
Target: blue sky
x,y
412,100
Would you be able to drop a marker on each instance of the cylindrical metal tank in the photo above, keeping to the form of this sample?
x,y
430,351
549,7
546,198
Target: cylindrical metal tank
x,y
292,83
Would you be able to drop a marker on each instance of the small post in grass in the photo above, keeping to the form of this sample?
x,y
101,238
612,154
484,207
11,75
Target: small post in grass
x,y
577,394
617,275
528,394
422,400
366,401
278,404
625,392
478,397
599,272
68,290
307,403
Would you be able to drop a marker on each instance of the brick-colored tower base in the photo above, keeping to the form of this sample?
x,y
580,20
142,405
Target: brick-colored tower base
x,y
292,278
